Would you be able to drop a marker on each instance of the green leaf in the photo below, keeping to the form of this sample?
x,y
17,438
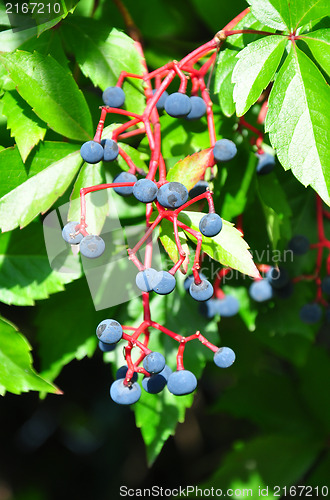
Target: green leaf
x,y
260,398
16,372
10,40
319,44
273,13
25,126
192,168
25,271
256,67
267,461
227,60
52,93
276,207
282,14
102,56
36,195
298,122
46,18
72,336
14,172
96,203
228,247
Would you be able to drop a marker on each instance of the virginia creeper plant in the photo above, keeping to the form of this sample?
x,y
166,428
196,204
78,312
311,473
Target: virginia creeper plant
x,y
262,84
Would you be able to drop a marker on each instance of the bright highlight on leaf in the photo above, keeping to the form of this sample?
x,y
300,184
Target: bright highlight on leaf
x,y
52,93
298,121
256,67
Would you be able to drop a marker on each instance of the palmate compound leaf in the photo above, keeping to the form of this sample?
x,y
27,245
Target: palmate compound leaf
x,y
228,247
52,93
16,372
36,195
256,67
298,121
192,168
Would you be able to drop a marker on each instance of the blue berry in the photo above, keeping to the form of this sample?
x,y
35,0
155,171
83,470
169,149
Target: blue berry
x,y
224,357
114,97
92,246
145,190
266,163
161,101
310,313
125,394
299,244
198,108
91,152
201,292
181,382
224,150
106,347
110,149
163,283
172,195
277,277
261,290
154,362
144,279
199,188
208,308
177,105
189,280
325,285
109,331
210,225
124,177
121,373
69,233
226,307
156,383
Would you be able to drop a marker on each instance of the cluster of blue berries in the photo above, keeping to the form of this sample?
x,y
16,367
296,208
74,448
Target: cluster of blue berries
x,y
157,374
276,283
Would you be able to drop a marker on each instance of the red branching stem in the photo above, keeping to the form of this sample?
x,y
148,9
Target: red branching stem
x,y
199,238
209,111
263,112
116,132
133,251
100,126
132,167
259,134
218,293
207,195
168,332
237,19
227,32
179,356
124,75
183,78
182,254
119,111
208,344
